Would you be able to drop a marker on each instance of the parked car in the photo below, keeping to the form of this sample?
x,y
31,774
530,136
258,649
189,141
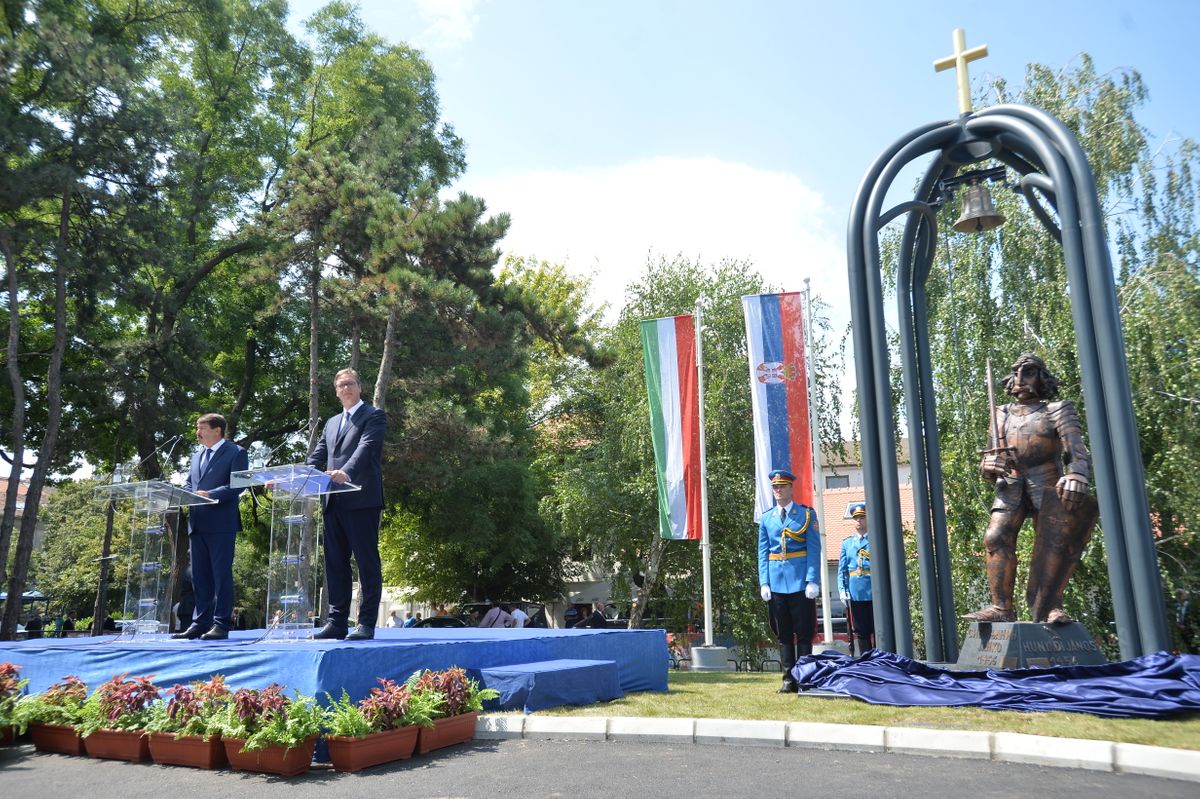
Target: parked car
x,y
440,622
471,612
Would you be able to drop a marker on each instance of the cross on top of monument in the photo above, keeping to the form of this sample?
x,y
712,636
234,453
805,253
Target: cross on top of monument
x,y
958,62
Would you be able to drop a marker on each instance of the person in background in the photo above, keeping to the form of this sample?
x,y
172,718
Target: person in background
x,y
35,627
520,617
496,617
409,619
441,611
789,564
596,619
854,579
571,617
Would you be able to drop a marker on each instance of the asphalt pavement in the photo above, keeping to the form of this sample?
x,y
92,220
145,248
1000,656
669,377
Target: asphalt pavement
x,y
581,770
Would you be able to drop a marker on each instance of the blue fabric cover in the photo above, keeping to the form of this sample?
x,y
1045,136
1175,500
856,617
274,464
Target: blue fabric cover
x,y
536,686
1152,686
314,667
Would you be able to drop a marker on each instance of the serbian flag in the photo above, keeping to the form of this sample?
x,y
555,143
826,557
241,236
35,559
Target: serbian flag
x,y
669,353
779,394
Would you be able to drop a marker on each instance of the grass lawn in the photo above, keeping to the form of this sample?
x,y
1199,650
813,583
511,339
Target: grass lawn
x,y
732,695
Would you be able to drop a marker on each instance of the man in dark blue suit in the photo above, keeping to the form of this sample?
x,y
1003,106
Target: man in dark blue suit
x,y
350,449
212,529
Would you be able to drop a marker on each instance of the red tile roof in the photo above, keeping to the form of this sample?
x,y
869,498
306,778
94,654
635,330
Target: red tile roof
x,y
837,529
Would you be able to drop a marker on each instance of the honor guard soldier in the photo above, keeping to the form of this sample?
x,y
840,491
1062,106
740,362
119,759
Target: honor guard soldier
x,y
854,579
789,563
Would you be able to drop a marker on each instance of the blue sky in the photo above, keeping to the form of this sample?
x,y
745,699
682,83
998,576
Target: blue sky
x,y
612,130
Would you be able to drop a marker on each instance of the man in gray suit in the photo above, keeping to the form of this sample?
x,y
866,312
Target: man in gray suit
x,y
351,450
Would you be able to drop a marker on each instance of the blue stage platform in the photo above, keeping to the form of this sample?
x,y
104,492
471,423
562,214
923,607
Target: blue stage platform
x,y
316,667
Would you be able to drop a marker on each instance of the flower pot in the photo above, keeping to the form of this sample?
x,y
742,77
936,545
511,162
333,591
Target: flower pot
x,y
60,738
273,759
447,732
187,750
355,754
7,736
132,745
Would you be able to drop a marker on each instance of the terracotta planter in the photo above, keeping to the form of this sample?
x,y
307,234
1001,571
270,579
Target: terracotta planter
x,y
447,732
60,738
273,759
7,736
187,750
131,745
356,754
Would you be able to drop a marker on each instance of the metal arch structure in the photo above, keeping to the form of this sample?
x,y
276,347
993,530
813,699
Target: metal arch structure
x,y
1053,169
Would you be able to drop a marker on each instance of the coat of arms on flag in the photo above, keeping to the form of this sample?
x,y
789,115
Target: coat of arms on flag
x,y
779,393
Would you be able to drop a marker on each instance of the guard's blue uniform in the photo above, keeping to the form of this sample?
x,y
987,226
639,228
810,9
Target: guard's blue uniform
x,y
789,557
854,567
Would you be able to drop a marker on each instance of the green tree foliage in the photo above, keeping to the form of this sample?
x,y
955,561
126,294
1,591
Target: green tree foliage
x,y
66,566
995,296
191,193
596,452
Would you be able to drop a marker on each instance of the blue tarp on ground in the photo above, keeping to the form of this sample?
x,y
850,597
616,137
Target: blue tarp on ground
x,y
314,667
1152,686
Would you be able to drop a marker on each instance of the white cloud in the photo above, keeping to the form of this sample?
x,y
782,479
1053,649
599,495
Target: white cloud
x,y
449,24
605,222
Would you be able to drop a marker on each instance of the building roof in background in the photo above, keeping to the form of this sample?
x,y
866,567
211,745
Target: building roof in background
x,y
853,459
838,526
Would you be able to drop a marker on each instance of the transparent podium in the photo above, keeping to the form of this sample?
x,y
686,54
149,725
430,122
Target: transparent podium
x,y
151,550
294,569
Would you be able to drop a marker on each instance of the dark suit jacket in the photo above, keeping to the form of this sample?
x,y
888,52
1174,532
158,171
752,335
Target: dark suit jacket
x,y
358,452
224,516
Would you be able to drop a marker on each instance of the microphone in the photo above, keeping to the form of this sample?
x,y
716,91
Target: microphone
x,y
260,454
125,472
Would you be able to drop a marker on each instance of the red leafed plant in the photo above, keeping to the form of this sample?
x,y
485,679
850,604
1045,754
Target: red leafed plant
x,y
387,707
119,704
268,717
191,708
10,692
457,693
61,703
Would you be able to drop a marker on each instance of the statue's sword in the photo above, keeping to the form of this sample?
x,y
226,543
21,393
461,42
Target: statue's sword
x,y
999,439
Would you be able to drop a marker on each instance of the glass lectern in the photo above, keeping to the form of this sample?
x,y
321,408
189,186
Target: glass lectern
x,y
294,569
151,550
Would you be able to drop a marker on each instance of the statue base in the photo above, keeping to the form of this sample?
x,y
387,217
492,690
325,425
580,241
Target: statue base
x,y
1026,644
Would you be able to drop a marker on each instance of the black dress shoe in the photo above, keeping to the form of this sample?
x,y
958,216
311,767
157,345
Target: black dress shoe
x,y
361,632
191,633
217,633
789,687
331,632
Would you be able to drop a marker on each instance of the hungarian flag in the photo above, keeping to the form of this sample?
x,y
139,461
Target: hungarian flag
x,y
669,352
779,394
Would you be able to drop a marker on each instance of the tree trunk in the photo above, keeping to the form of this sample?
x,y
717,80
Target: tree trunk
x,y
100,611
314,418
389,356
18,416
33,497
658,547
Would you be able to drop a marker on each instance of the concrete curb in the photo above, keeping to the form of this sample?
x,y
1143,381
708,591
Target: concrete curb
x,y
1040,750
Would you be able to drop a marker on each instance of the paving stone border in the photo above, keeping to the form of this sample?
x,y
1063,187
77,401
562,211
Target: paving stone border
x,y
1040,750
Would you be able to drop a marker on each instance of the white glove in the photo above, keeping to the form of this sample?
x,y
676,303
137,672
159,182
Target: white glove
x,y
812,590
845,596
765,592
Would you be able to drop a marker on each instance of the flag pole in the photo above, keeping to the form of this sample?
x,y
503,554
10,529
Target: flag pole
x,y
818,493
705,545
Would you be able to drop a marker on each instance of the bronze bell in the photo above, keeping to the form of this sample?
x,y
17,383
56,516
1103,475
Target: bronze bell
x,y
978,211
